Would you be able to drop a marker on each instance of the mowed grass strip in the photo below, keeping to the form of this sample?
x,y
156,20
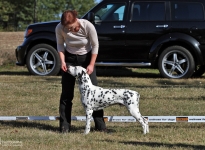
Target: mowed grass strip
x,y
24,95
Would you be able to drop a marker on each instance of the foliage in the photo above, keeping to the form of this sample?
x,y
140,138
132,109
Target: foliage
x,y
16,15
77,5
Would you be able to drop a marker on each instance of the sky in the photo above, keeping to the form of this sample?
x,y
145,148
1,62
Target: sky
x,y
98,1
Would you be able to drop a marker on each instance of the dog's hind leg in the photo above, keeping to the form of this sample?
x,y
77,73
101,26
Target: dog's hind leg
x,y
89,113
146,122
137,115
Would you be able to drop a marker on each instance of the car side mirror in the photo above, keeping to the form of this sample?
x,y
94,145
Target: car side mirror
x,y
91,17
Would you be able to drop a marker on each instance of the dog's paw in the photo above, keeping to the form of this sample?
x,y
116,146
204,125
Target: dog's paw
x,y
86,132
147,130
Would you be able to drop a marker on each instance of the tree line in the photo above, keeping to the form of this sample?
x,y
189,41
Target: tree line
x,y
15,15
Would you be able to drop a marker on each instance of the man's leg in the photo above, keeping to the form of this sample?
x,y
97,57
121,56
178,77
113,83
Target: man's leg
x,y
65,108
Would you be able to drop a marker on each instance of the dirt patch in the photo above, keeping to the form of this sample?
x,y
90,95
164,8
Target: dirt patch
x,y
8,43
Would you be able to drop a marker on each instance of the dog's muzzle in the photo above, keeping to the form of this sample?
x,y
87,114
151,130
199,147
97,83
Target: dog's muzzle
x,y
68,70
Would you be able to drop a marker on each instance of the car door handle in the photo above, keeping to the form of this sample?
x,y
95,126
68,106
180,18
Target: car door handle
x,y
162,26
119,27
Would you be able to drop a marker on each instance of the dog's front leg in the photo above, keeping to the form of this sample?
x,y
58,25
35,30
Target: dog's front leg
x,y
89,113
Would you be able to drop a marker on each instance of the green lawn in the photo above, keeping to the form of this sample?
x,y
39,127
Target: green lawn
x,y
22,94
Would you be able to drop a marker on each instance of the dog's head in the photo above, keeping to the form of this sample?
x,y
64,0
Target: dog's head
x,y
76,71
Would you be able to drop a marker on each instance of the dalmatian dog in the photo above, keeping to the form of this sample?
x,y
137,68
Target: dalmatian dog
x,y
95,98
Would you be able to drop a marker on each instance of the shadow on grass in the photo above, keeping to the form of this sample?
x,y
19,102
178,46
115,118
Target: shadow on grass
x,y
126,72
14,73
158,145
184,125
37,125
100,71
30,124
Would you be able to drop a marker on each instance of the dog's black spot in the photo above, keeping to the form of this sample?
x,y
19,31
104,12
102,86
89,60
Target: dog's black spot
x,y
114,92
106,92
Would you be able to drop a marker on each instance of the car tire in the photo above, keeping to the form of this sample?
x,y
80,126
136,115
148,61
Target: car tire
x,y
43,60
176,62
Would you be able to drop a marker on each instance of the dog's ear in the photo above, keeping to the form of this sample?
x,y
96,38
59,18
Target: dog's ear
x,y
84,71
81,73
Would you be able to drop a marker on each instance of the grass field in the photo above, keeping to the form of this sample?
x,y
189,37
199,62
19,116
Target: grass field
x,y
8,43
24,95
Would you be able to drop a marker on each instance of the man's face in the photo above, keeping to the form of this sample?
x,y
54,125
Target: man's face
x,y
74,27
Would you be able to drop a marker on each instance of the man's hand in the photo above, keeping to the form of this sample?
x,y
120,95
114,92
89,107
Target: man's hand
x,y
90,69
63,66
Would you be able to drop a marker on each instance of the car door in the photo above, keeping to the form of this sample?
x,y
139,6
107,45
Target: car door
x,y
148,21
110,25
188,18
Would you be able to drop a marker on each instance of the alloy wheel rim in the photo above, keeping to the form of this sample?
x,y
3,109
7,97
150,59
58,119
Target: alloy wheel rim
x,y
42,61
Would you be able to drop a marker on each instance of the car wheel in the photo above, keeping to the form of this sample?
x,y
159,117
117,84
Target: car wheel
x,y
43,60
199,71
176,62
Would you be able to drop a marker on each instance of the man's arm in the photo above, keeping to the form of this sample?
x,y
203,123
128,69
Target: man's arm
x,y
60,47
91,66
62,58
95,46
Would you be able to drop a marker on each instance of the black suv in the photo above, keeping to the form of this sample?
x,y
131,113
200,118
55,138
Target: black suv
x,y
164,34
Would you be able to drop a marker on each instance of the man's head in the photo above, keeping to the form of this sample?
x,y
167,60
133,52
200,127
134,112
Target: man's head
x,y
69,20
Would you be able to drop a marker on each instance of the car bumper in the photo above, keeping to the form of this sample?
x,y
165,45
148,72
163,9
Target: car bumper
x,y
20,55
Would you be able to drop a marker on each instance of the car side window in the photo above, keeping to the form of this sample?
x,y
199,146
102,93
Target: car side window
x,y
187,11
148,11
111,12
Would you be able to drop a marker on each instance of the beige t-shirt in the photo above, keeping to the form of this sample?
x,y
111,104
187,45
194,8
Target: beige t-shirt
x,y
80,42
